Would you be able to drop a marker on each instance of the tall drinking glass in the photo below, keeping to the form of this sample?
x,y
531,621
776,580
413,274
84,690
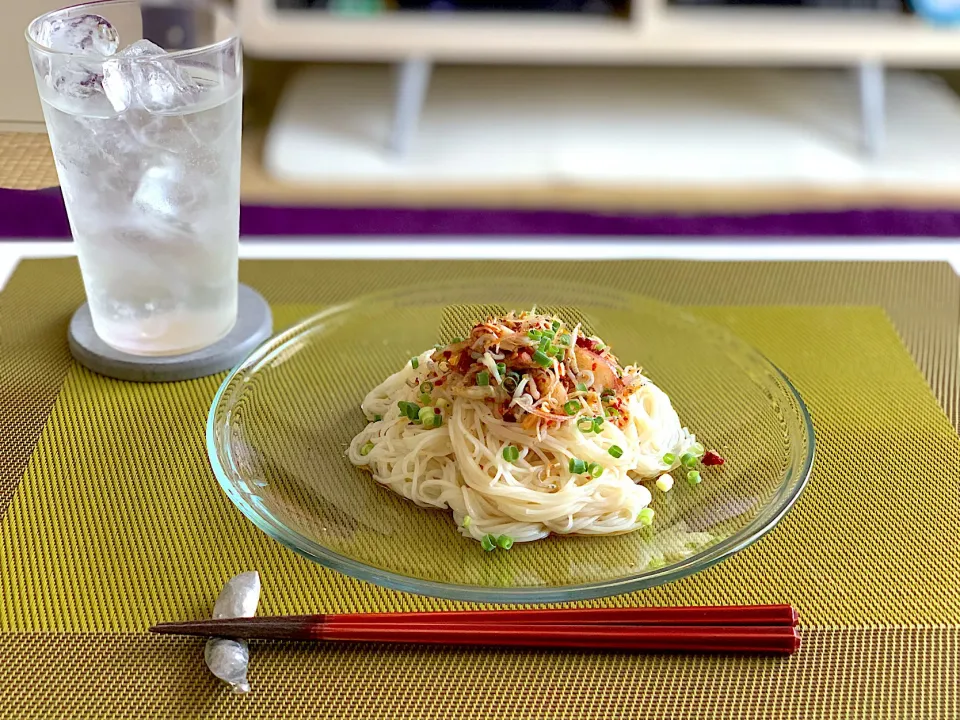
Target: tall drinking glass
x,y
142,102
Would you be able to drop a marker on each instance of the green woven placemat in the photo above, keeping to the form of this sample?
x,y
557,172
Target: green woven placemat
x,y
118,523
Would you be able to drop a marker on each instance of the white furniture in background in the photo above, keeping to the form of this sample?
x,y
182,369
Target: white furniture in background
x,y
655,33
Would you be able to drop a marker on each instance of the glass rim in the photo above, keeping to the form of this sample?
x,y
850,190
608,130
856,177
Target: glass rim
x,y
92,4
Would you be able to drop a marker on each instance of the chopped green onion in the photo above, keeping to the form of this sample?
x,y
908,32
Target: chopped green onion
x,y
501,369
533,334
688,460
585,425
645,517
489,543
555,325
426,387
669,459
557,352
607,393
467,521
409,409
571,407
483,378
693,477
616,451
597,423
697,449
414,362
566,340
505,542
456,340
595,469
548,334
511,453
542,360
577,466
611,412
425,398
665,482
544,343
377,418
600,347
366,448
582,387
430,417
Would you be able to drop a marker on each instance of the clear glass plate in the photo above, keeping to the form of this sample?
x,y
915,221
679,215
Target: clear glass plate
x,y
281,422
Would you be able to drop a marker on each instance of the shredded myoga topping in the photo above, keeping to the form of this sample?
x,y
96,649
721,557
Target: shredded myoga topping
x,y
523,429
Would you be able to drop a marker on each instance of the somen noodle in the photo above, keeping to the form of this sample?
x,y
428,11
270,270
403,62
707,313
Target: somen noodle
x,y
523,429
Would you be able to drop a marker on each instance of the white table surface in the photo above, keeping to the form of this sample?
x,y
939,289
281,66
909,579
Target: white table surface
x,y
577,248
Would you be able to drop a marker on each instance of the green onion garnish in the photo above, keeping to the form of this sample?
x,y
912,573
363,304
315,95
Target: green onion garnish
x,y
616,451
688,460
489,543
571,407
414,363
585,425
505,542
597,423
483,378
426,415
693,477
424,398
595,469
542,360
533,334
566,340
544,343
426,387
366,448
645,516
669,459
456,340
555,325
548,334
501,369
408,409
511,453
467,521
697,449
582,387
611,412
607,393
577,466
377,418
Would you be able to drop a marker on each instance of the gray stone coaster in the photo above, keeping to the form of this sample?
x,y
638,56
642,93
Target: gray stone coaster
x,y
254,325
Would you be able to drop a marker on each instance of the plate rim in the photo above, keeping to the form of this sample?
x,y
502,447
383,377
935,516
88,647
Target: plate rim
x,y
325,557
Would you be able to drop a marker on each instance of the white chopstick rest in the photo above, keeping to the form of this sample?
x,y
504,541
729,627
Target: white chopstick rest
x,y
226,658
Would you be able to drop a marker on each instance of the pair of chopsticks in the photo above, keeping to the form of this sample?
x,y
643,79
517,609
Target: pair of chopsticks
x,y
763,629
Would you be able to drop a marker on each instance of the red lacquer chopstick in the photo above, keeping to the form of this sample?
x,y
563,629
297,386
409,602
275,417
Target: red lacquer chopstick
x,y
426,628
707,615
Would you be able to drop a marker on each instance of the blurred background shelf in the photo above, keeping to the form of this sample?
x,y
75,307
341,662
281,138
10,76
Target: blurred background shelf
x,y
654,32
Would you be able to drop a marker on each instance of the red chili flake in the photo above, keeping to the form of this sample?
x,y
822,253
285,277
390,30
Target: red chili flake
x,y
594,367
711,458
438,382
447,353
